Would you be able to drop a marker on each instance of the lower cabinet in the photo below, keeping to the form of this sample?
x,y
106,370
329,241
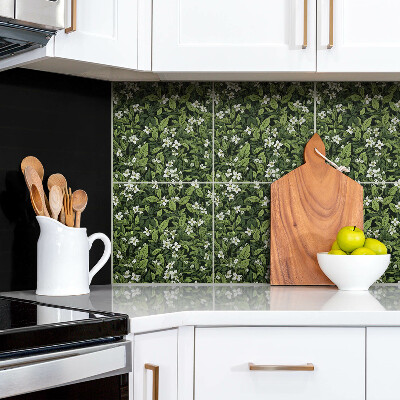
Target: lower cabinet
x,y
282,361
155,365
258,363
383,355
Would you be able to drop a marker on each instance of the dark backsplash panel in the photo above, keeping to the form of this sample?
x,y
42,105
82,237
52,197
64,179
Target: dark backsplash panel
x,y
65,122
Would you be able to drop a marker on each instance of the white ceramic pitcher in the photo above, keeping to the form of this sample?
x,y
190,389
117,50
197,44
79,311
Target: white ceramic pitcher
x,y
63,258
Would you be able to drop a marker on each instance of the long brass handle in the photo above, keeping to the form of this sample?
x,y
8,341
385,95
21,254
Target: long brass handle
x,y
305,26
155,369
330,45
72,28
305,367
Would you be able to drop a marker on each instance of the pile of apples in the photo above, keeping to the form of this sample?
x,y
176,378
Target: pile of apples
x,y
351,240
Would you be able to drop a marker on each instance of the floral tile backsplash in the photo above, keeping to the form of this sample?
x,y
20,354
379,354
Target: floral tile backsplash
x,y
193,163
261,129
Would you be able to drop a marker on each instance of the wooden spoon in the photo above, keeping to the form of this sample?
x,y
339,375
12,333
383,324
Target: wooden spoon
x,y
58,180
33,162
79,202
32,178
56,201
36,200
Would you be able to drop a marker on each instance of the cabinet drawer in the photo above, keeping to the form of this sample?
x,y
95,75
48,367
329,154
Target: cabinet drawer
x,y
222,357
159,349
383,354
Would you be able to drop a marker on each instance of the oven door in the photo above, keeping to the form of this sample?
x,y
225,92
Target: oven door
x,y
40,372
48,14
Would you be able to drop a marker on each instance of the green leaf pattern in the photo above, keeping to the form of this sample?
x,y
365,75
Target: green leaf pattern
x,y
176,220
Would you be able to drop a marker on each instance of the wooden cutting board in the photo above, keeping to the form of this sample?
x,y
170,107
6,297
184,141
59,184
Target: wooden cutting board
x,y
308,207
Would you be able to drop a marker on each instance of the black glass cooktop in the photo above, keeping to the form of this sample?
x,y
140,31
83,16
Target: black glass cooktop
x,y
26,325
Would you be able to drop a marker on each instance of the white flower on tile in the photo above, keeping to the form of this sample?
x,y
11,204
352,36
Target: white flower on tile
x,y
119,114
236,176
265,201
220,154
220,254
235,139
195,184
248,231
235,240
133,240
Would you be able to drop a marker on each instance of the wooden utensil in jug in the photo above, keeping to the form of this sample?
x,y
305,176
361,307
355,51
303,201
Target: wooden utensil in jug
x,y
308,207
36,200
32,178
56,201
79,202
60,181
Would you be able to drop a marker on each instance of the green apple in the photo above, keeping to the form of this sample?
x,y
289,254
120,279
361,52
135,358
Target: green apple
x,y
376,246
335,246
350,238
363,251
337,252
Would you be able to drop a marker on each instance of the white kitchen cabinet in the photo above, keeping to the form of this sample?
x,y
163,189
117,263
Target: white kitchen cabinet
x,y
234,36
160,349
383,354
111,37
365,36
222,357
106,33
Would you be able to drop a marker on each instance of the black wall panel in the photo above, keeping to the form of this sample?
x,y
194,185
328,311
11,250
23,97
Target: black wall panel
x,y
66,123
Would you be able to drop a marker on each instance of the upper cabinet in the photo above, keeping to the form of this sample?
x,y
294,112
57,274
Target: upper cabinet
x,y
105,39
223,39
105,33
234,35
358,36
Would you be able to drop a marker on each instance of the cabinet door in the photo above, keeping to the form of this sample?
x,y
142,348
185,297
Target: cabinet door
x,y
106,33
159,349
365,36
383,353
233,35
222,357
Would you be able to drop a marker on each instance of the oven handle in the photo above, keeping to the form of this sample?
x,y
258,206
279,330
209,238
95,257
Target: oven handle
x,y
30,374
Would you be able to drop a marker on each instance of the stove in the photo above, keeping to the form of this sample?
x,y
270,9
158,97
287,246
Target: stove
x,y
44,346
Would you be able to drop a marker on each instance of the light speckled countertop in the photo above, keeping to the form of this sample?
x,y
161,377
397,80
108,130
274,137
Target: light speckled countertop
x,y
154,307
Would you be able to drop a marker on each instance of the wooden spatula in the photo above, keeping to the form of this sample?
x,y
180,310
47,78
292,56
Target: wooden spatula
x,y
32,178
36,200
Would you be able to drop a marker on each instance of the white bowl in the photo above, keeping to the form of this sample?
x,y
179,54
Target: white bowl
x,y
353,272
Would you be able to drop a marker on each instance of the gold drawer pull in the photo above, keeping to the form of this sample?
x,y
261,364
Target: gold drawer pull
x,y
72,28
305,26
305,367
155,369
330,45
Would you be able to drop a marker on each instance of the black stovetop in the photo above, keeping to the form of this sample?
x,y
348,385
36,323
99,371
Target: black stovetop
x,y
27,325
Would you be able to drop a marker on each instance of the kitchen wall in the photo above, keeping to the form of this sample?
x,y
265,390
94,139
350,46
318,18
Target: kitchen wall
x,y
65,122
193,164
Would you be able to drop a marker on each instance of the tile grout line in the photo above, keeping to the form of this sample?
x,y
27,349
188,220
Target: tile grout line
x,y
315,107
213,181
234,183
112,183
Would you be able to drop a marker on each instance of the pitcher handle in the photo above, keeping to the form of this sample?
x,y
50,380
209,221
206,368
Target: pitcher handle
x,y
104,258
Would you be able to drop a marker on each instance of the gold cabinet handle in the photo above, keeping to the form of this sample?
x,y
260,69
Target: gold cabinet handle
x,y
330,45
72,28
155,369
305,26
305,367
